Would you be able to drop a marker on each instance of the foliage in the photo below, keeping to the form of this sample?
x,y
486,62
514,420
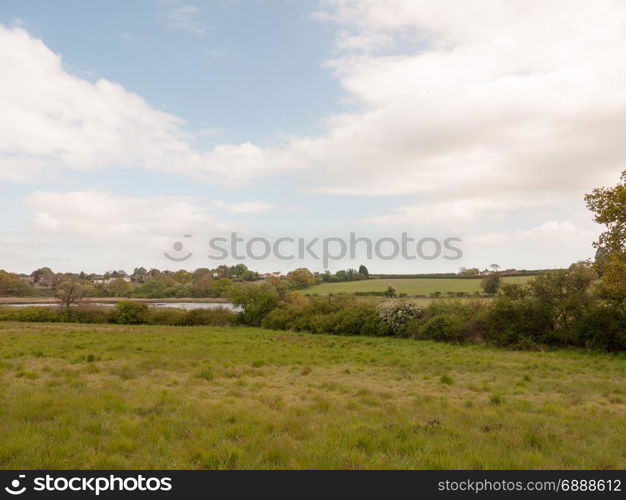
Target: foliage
x,y
301,278
131,313
491,284
72,291
396,315
11,285
254,301
609,207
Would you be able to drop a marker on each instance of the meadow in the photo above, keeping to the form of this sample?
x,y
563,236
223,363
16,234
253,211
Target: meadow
x,y
410,286
117,397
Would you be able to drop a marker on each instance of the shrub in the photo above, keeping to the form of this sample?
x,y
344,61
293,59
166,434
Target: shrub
x,y
131,313
452,321
520,321
602,327
443,327
253,301
166,316
491,284
397,315
89,314
220,316
31,313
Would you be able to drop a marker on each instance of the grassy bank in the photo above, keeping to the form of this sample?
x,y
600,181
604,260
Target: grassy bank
x,y
410,286
106,396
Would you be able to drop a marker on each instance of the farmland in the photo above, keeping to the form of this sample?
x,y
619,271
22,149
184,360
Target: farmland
x,y
118,397
410,286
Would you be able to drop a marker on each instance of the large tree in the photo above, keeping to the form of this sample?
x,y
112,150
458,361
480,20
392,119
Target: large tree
x,y
609,207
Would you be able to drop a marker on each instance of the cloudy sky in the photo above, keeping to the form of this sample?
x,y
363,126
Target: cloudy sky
x,y
126,125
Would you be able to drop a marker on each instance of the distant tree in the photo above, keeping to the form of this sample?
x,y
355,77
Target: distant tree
x,y
13,286
201,287
390,291
220,287
222,271
341,275
494,268
363,270
183,276
474,271
72,291
119,287
491,284
42,275
301,278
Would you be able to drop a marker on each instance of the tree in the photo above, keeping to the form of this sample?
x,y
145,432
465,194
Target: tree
x,y
42,275
301,278
253,301
72,291
565,293
609,207
363,270
491,284
119,287
13,286
474,271
390,291
495,267
183,276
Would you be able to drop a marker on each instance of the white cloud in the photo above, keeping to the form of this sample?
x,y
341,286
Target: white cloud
x,y
53,120
450,212
506,97
182,16
101,215
245,207
552,231
481,99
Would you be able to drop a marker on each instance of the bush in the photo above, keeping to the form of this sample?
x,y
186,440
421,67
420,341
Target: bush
x,y
602,327
82,314
253,301
220,316
166,316
397,315
339,314
31,313
452,321
443,327
131,313
520,321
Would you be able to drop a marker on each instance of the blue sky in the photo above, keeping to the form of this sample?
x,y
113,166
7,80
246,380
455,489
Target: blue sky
x,y
308,118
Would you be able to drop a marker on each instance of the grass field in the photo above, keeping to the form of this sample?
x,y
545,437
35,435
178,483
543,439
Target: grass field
x,y
410,286
104,396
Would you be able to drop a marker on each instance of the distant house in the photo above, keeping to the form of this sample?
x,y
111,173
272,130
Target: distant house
x,y
275,274
26,277
100,280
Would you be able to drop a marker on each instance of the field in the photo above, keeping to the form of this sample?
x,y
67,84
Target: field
x,y
114,397
410,286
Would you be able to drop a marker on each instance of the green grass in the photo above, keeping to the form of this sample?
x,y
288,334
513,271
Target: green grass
x,y
114,397
410,286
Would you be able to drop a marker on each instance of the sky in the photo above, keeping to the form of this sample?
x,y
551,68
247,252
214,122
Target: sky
x,y
125,126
